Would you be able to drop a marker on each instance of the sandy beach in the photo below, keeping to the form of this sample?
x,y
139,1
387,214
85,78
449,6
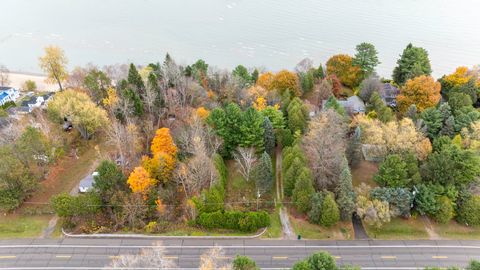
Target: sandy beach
x,y
18,79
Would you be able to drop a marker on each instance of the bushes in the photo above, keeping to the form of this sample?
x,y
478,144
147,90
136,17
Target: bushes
x,y
445,212
317,261
324,210
244,263
469,211
234,220
399,199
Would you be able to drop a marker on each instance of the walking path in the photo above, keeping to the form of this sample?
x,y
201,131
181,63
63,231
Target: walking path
x,y
284,219
430,230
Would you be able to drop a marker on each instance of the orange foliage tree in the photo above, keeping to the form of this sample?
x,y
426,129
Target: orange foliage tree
x,y
342,66
260,104
423,91
163,143
286,80
140,181
336,85
265,80
202,113
461,76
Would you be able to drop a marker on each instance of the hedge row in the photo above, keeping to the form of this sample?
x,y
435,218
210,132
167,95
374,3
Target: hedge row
x,y
234,220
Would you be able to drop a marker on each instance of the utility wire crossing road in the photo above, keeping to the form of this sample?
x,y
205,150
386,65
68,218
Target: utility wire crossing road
x,y
269,254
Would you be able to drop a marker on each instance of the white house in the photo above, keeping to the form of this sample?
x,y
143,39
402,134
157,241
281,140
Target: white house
x,y
32,103
8,94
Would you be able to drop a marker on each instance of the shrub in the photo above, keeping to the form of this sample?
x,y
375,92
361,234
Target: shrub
x,y
244,263
317,261
234,220
392,172
469,211
399,199
303,191
445,212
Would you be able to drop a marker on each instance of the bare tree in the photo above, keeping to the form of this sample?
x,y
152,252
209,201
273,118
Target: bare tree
x,y
325,145
76,77
245,158
323,91
4,76
127,142
214,259
196,134
304,66
153,257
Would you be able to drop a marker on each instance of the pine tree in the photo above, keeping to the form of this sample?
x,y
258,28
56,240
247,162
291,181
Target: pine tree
x,y
263,174
330,213
268,136
303,191
135,79
345,193
315,212
252,130
290,177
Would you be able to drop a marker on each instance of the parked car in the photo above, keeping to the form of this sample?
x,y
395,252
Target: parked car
x,y
87,183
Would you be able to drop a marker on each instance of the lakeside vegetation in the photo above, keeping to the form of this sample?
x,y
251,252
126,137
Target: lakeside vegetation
x,y
194,146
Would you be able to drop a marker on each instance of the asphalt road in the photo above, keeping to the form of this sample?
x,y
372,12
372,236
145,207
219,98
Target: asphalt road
x,y
74,253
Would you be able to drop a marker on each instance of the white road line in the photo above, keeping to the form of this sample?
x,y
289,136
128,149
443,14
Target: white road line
x,y
156,268
237,247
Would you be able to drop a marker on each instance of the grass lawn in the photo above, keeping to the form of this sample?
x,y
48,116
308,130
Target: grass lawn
x,y
16,226
341,231
399,229
275,228
454,230
363,172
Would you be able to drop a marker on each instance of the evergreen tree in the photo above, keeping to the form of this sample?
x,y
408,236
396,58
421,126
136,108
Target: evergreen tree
x,y
252,130
333,104
290,177
306,81
366,58
297,115
345,193
263,174
303,191
392,172
268,136
412,63
315,212
135,79
330,213
242,73
254,76
384,113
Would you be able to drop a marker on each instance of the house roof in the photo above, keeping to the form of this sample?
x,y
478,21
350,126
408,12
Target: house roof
x,y
5,88
390,90
31,100
87,182
3,95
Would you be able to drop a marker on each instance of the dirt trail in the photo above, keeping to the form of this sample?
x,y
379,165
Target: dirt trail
x,y
284,219
432,234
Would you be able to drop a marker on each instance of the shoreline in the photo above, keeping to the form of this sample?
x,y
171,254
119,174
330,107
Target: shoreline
x,y
18,78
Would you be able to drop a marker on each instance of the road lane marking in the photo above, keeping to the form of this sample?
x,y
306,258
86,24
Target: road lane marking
x,y
279,257
171,257
8,257
238,246
337,257
389,257
439,257
114,257
63,256
224,257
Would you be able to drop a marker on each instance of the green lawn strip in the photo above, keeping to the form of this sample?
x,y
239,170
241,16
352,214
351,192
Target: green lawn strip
x,y
342,230
23,226
275,228
454,230
399,229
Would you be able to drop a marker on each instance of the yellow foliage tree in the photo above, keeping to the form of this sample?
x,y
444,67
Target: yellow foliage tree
x,y
260,104
265,80
140,181
80,110
423,91
285,80
461,76
54,63
202,113
341,65
257,91
160,206
163,143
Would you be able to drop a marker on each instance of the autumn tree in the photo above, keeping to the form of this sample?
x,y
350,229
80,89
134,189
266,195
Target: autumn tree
x,y
413,62
286,81
79,109
366,58
163,142
423,91
324,146
140,181
265,80
342,66
54,63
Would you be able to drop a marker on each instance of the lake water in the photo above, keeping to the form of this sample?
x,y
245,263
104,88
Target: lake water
x,y
273,34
